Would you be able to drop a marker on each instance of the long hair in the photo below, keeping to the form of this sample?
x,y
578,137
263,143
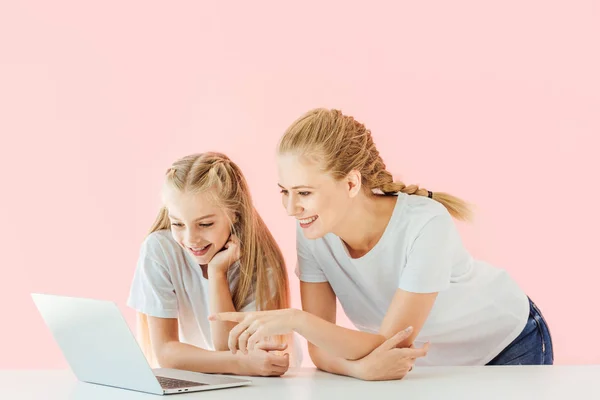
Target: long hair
x,y
344,144
262,267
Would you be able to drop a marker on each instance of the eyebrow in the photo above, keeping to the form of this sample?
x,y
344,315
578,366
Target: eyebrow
x,y
197,219
297,187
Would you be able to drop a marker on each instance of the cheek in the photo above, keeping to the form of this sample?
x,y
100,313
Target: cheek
x,y
328,207
177,235
220,235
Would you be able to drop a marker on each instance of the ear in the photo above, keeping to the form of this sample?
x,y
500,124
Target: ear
x,y
354,182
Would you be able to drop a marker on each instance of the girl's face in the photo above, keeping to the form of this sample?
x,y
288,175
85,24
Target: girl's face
x,y
198,224
314,198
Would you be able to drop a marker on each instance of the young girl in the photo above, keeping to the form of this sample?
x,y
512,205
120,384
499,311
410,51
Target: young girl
x,y
392,256
207,252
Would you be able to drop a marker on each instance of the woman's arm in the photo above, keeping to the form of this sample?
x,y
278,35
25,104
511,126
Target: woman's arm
x,y
171,353
406,310
386,362
319,300
315,323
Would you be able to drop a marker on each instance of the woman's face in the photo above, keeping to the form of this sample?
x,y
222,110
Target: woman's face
x,y
317,200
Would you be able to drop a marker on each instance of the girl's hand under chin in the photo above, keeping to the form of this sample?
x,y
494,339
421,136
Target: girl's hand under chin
x,y
222,260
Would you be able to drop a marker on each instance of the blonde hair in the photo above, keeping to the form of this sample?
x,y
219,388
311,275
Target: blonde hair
x,y
344,145
262,267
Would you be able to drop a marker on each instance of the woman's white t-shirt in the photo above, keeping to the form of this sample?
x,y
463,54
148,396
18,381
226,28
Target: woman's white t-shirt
x,y
479,309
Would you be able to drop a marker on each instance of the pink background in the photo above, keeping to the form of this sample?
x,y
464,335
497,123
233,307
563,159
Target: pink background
x,y
497,103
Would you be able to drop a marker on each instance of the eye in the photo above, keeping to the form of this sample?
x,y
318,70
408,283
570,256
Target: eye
x,y
303,193
207,225
177,224
284,192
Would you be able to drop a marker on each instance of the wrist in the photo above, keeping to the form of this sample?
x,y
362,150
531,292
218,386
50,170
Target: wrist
x,y
357,369
238,361
216,272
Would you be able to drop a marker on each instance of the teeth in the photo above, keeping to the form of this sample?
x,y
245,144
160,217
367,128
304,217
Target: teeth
x,y
308,220
200,249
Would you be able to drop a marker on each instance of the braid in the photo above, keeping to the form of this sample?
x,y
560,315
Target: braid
x,y
345,144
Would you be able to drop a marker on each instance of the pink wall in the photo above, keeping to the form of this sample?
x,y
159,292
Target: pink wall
x,y
496,103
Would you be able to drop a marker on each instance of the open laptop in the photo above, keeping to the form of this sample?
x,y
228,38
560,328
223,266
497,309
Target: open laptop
x,y
100,348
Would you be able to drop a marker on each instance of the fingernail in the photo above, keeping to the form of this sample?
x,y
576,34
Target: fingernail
x,y
409,329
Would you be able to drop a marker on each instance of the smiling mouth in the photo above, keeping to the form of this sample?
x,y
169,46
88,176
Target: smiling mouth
x,y
200,251
306,222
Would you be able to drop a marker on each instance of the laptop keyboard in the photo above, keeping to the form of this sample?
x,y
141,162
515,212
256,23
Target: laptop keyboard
x,y
172,383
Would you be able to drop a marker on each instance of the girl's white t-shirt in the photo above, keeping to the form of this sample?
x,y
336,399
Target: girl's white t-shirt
x,y
168,283
479,309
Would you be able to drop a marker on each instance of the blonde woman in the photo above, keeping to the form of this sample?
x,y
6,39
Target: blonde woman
x,y
392,256
207,252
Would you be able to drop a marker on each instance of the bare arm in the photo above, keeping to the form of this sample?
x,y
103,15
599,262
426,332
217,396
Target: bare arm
x,y
219,301
317,323
171,353
318,327
319,300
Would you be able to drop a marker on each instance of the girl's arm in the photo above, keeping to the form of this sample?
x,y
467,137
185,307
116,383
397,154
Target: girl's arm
x,y
406,310
219,300
219,293
171,353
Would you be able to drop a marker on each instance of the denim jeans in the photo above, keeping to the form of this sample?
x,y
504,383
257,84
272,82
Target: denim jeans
x,y
533,346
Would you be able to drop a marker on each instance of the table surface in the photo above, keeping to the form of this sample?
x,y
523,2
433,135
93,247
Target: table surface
x,y
464,383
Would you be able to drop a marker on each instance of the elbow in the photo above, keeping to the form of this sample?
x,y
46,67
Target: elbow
x,y
361,353
166,355
357,356
315,356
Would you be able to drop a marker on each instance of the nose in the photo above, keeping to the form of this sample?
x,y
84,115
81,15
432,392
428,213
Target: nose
x,y
191,237
291,206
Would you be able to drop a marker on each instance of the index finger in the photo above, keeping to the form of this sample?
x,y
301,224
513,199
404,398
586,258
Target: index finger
x,y
228,316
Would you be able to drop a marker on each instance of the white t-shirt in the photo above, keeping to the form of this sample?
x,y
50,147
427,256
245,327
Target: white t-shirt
x,y
479,309
168,283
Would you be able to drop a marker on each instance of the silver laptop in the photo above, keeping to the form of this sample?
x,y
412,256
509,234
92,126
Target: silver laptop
x,y
100,348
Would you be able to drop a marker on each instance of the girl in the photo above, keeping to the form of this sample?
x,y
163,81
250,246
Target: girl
x,y
207,252
392,256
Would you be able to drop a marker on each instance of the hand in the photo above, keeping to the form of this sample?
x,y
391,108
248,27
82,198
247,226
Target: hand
x,y
222,260
388,362
254,327
262,361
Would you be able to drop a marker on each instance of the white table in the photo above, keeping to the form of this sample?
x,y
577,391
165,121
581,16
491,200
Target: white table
x,y
464,383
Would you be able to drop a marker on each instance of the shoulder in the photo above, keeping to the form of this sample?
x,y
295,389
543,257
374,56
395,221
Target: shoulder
x,y
416,213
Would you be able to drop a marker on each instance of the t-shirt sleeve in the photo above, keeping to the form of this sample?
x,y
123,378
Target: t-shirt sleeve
x,y
152,291
307,268
431,256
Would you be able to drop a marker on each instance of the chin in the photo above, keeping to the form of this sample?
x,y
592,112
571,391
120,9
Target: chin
x,y
202,260
313,233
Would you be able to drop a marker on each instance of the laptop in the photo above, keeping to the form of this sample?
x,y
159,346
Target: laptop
x,y
101,349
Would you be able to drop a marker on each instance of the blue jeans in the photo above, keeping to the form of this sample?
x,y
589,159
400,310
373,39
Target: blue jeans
x,y
532,347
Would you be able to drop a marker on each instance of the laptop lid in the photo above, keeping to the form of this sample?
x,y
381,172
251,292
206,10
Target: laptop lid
x,y
97,342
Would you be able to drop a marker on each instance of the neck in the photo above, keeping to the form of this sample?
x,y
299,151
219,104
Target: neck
x,y
365,223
